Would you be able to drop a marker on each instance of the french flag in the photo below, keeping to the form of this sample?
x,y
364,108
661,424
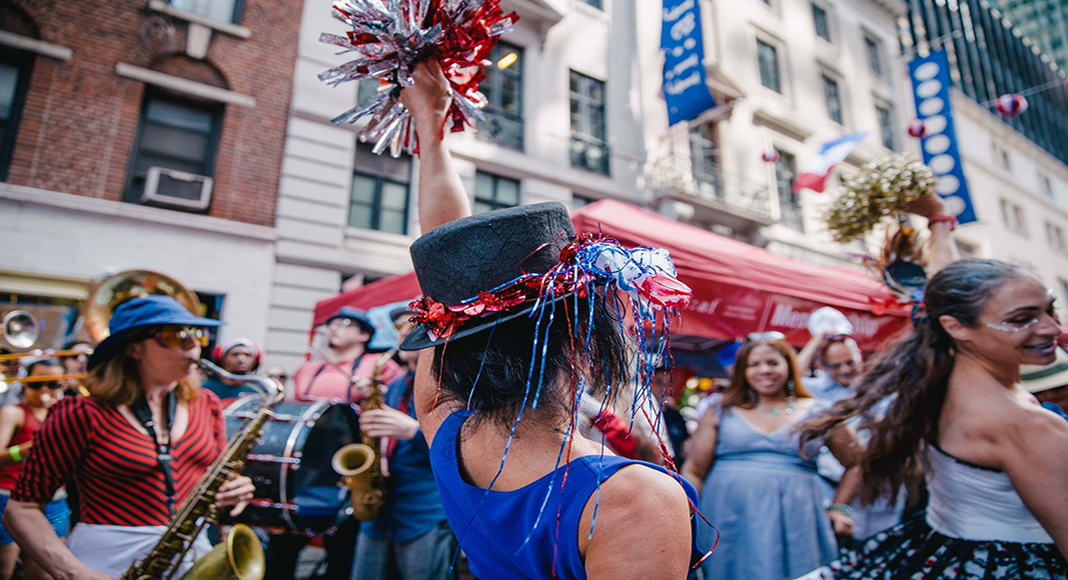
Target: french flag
x,y
819,167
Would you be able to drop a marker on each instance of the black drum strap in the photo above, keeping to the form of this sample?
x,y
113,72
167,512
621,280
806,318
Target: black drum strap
x,y
163,449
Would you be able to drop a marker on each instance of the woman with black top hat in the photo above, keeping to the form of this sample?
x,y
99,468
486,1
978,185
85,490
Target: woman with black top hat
x,y
133,450
519,508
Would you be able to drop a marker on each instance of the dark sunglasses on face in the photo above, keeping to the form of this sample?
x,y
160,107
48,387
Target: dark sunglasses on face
x,y
178,336
773,335
50,385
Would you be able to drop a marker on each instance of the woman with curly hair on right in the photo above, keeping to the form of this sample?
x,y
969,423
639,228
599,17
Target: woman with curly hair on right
x,y
995,462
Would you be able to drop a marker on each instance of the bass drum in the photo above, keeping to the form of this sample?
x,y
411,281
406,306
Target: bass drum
x,y
297,490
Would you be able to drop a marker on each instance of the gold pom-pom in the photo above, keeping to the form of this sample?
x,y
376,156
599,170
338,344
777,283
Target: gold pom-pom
x,y
881,188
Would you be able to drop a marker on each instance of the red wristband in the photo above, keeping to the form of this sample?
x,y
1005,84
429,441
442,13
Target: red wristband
x,y
949,219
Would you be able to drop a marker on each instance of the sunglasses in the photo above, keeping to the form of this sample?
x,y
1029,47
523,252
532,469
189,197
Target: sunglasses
x,y
179,336
50,385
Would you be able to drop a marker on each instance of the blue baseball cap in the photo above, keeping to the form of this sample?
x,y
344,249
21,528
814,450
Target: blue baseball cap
x,y
142,312
356,314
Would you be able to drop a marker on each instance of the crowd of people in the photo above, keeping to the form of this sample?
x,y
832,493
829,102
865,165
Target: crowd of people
x,y
522,440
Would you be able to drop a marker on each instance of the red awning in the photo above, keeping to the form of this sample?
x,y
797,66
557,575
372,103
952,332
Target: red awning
x,y
738,288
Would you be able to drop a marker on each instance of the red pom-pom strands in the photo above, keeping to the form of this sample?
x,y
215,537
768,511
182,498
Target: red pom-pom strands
x,y
1010,106
647,274
389,37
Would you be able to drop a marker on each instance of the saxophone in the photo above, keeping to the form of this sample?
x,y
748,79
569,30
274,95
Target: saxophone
x,y
360,464
242,555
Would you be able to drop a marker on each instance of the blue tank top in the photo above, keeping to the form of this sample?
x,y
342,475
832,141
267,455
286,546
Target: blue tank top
x,y
493,527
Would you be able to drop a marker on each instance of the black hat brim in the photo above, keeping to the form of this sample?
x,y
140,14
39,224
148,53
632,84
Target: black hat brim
x,y
419,338
111,346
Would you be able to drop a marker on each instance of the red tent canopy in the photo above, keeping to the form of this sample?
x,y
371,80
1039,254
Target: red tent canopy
x,y
738,288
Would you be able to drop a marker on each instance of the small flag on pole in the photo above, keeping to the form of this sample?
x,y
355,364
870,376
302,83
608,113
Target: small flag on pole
x,y
818,168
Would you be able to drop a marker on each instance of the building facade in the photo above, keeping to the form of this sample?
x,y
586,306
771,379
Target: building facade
x,y
563,124
1044,22
1017,168
143,135
787,76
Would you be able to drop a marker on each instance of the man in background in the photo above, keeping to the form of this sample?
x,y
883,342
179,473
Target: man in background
x,y
239,356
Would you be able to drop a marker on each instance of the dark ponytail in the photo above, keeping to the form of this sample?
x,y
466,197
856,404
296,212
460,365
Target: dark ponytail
x,y
915,371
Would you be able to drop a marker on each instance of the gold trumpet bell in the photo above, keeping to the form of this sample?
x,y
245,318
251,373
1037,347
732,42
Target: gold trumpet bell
x,y
240,558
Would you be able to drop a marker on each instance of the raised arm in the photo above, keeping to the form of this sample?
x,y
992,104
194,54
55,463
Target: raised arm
x,y
942,248
442,198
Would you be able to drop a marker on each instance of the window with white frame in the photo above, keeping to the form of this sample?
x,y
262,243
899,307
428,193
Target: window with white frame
x,y
768,60
822,22
219,10
885,117
15,67
1056,239
789,200
503,88
494,192
1012,215
832,93
1046,184
874,51
379,196
589,146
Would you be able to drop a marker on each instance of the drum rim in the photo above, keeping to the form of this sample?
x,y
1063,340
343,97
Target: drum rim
x,y
291,443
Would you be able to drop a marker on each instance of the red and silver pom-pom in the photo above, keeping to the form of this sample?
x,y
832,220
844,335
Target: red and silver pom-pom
x,y
917,128
1010,106
771,156
389,39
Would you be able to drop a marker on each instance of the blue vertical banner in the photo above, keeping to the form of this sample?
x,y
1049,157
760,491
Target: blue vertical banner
x,y
930,91
685,84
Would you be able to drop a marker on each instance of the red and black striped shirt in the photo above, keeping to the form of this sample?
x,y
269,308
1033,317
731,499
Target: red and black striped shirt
x,y
114,466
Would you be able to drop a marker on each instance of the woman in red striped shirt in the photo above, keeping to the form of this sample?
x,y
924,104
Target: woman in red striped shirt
x,y
131,452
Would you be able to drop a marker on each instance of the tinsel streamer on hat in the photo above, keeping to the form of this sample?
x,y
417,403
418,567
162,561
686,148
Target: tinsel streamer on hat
x,y
882,188
389,37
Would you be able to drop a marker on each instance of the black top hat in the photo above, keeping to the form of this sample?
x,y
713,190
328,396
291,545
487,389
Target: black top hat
x,y
460,259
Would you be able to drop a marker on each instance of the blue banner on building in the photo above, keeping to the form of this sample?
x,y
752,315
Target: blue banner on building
x,y
685,85
930,88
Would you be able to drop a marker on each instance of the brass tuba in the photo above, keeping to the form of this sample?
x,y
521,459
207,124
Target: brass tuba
x,y
360,464
108,293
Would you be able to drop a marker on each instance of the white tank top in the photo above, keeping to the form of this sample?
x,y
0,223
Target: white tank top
x,y
976,503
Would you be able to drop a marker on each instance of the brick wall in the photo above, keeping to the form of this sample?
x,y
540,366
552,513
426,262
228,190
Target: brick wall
x,y
79,120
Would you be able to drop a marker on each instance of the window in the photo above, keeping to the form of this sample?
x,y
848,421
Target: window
x,y
494,192
366,89
1001,157
704,159
503,88
1046,184
221,10
379,196
875,59
789,202
1064,293
578,201
174,133
1056,239
589,149
14,78
595,3
822,22
833,95
768,58
1013,217
886,125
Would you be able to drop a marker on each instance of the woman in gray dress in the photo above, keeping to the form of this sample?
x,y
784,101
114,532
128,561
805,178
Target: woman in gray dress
x,y
757,488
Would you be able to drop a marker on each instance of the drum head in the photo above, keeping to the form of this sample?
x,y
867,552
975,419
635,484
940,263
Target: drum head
x,y
297,490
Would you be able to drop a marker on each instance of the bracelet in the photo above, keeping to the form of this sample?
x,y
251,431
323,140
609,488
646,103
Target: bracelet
x,y
842,508
949,219
16,453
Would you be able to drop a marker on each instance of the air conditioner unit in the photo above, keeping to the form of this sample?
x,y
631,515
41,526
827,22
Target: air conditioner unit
x,y
177,189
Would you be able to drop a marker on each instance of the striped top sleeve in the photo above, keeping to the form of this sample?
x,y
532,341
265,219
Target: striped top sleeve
x,y
58,449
